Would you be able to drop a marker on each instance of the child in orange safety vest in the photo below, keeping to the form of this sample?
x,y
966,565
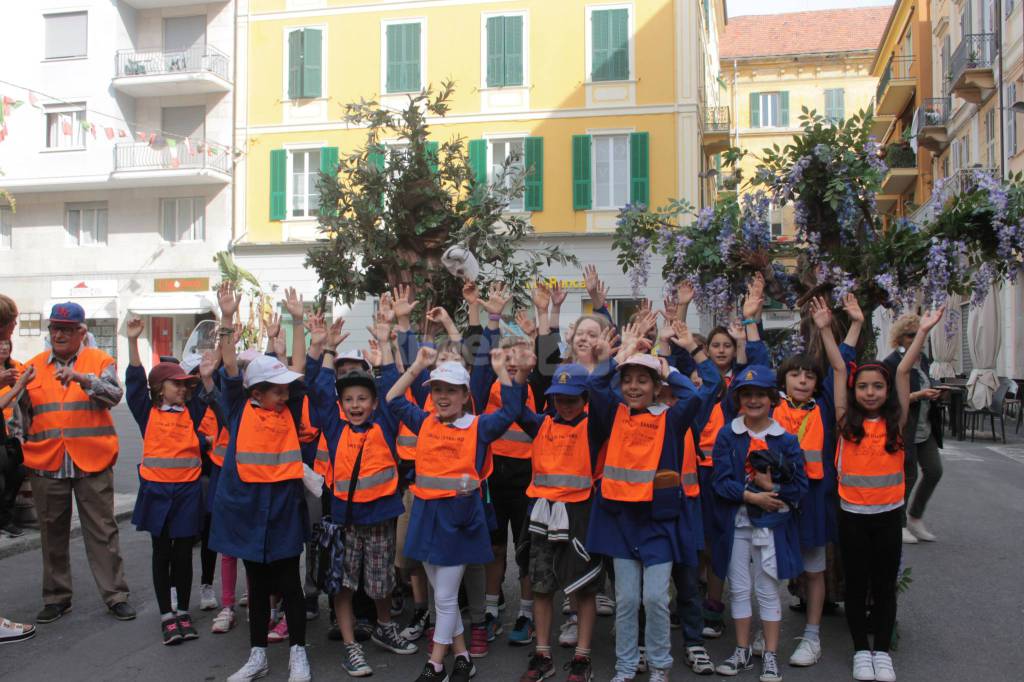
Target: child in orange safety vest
x,y
170,503
871,412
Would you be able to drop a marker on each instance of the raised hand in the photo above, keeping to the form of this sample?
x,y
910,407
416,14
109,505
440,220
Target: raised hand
x,y
525,359
665,368
526,323
852,308
604,346
471,293
497,298
932,318
272,323
426,357
596,289
558,295
208,365
134,327
683,336
404,303
684,292
820,313
336,334
381,328
440,316
236,334
228,299
541,296
372,354
499,362
646,321
279,345
293,304
754,300
630,334
9,377
387,307
671,309
317,330
737,333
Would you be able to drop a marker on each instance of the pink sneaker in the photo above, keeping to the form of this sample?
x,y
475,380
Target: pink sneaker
x,y
279,633
478,641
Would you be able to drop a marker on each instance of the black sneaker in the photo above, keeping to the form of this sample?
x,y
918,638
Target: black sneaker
x,y
386,636
14,530
463,669
419,622
431,675
580,670
188,631
740,660
363,630
122,611
397,600
539,668
674,621
171,632
52,612
334,633
312,607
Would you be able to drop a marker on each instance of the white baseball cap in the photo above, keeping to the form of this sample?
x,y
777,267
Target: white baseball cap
x,y
643,360
450,373
352,355
268,369
190,362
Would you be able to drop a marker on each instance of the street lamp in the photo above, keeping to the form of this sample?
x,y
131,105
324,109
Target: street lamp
x,y
1018,107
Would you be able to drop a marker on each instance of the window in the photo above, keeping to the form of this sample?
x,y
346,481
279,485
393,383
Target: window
x,y
66,35
304,198
403,57
609,39
305,63
182,219
769,109
64,127
834,105
775,216
30,324
990,138
87,223
965,151
1011,120
505,51
945,74
6,223
500,152
611,171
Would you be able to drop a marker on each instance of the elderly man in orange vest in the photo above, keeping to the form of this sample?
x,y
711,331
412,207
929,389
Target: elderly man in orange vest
x,y
70,445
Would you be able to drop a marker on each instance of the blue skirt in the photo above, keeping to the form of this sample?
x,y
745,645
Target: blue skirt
x,y
707,505
448,532
626,530
812,521
211,487
172,508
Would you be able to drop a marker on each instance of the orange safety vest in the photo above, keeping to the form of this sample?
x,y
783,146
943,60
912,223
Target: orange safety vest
x,y
709,434
378,475
220,447
267,446
691,482
9,410
308,433
65,419
515,442
561,462
809,428
405,441
208,426
868,475
634,450
445,460
170,448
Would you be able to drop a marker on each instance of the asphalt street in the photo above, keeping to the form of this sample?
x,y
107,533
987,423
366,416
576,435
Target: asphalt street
x,y
960,620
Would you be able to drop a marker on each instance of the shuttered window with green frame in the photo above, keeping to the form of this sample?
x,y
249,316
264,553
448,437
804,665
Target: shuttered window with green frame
x,y
834,104
504,51
533,151
305,63
278,184
403,57
609,37
639,168
582,184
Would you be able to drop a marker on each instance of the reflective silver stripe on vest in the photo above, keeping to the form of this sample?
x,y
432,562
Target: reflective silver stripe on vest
x,y
220,450
516,436
563,481
444,483
67,407
406,441
322,456
268,459
629,475
866,481
706,453
80,432
171,462
812,456
341,485
690,479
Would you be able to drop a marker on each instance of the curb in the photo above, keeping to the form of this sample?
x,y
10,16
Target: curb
x,y
32,540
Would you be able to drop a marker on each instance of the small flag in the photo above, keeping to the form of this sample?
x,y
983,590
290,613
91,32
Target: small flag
x,y
173,144
109,133
122,133
32,99
152,138
65,126
7,105
142,137
92,130
3,132
84,125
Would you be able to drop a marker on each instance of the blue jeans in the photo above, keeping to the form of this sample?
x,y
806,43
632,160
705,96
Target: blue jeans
x,y
633,580
688,603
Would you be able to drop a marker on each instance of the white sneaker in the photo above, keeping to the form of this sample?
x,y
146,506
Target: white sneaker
x,y
908,537
298,665
605,605
863,666
223,621
757,648
255,668
207,599
917,529
808,652
699,661
566,607
570,632
884,672
244,601
658,675
641,664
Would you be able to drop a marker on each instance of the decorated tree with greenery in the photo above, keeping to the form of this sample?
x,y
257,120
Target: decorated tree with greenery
x,y
392,210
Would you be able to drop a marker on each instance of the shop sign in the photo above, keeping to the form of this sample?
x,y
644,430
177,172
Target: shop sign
x,y
173,284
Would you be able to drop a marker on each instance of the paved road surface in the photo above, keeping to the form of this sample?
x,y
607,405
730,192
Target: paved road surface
x,y
961,619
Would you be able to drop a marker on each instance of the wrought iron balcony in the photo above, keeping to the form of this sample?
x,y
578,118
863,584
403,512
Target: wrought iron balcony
x,y
203,158
896,86
717,124
932,118
971,67
199,69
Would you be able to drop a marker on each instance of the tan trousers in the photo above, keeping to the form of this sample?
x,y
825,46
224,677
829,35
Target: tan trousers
x,y
95,498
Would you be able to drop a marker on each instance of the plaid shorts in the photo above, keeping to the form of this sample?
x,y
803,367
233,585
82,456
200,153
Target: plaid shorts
x,y
370,559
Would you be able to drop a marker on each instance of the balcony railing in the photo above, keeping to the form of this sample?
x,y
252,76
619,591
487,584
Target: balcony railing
x,y
716,119
896,68
933,112
960,182
193,154
199,59
975,51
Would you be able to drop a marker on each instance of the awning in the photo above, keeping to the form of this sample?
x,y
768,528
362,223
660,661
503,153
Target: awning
x,y
178,303
96,308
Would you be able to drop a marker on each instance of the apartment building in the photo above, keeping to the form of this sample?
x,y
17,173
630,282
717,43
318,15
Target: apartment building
x,y
120,162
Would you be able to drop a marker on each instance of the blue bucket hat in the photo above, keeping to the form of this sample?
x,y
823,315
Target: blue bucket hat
x,y
69,312
756,376
568,380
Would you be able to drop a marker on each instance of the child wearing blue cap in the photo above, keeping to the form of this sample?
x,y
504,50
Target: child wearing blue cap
x,y
564,456
756,551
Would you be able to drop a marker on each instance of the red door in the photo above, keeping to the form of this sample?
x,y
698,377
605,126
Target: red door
x,y
161,337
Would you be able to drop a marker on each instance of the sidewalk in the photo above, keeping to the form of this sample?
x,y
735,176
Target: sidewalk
x,y
124,503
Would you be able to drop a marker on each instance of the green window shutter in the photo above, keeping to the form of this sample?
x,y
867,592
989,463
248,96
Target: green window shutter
x,y
639,169
600,41
755,110
278,184
432,149
610,44
478,160
495,52
784,109
403,54
513,51
412,57
840,103
582,196
620,44
394,54
312,59
295,65
375,157
329,160
533,151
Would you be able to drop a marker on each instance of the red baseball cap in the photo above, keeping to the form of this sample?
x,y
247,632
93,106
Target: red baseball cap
x,y
168,371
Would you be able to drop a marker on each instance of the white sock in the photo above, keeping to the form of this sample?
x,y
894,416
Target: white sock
x,y
273,615
164,617
811,632
491,602
526,608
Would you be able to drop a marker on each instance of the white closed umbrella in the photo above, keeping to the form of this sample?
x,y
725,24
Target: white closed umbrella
x,y
944,345
985,340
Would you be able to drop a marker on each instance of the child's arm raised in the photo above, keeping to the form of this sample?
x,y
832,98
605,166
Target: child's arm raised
x,y
134,328
856,315
293,303
228,299
906,366
822,316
